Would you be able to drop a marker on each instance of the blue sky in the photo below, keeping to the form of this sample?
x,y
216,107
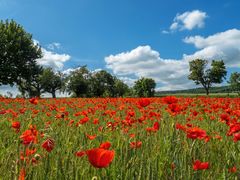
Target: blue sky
x,y
132,31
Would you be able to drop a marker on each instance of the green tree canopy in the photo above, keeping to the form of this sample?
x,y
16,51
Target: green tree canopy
x,y
120,88
18,53
51,81
32,86
78,82
234,82
102,84
145,87
206,77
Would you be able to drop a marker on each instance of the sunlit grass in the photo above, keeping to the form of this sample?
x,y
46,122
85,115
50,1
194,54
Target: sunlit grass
x,y
164,154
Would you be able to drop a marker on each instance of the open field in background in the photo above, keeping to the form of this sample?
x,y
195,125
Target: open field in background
x,y
124,138
231,95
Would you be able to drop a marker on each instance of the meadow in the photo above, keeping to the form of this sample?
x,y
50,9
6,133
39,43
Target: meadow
x,y
120,138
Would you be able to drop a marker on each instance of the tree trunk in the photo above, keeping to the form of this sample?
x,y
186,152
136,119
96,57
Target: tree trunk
x,y
53,94
207,91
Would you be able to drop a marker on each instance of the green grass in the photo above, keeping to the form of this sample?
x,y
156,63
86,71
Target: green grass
x,y
152,160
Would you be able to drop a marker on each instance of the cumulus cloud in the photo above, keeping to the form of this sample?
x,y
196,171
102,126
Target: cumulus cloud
x,y
172,74
129,81
189,20
146,62
224,45
53,60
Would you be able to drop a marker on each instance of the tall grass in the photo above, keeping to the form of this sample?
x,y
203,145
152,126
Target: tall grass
x,y
164,154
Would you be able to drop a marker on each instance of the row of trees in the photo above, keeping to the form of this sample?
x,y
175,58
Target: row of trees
x,y
18,66
83,83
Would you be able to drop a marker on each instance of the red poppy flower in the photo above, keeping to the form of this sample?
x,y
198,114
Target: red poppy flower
x,y
232,170
100,158
16,125
80,153
132,135
143,102
48,145
156,126
198,165
137,144
30,151
22,174
234,128
84,120
91,137
96,121
3,111
33,101
28,137
236,137
170,100
174,108
196,133
105,145
181,127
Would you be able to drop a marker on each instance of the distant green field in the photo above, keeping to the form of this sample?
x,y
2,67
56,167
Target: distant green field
x,y
199,94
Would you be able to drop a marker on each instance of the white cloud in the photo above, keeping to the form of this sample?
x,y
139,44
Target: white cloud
x,y
69,70
224,45
53,46
127,80
172,74
174,26
6,89
145,62
52,59
189,20
165,32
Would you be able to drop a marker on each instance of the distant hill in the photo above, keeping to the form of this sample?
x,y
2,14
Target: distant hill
x,y
221,89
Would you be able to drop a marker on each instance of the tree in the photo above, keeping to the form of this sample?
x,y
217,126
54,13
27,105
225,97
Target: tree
x,y
120,88
18,53
78,82
32,86
144,87
102,84
207,77
51,81
234,82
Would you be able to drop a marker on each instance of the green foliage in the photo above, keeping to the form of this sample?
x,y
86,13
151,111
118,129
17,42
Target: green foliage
x,y
120,88
235,82
102,84
144,87
18,53
51,81
32,86
78,82
82,83
206,77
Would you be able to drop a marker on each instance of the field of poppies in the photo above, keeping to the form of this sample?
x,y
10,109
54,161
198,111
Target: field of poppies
x,y
120,138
